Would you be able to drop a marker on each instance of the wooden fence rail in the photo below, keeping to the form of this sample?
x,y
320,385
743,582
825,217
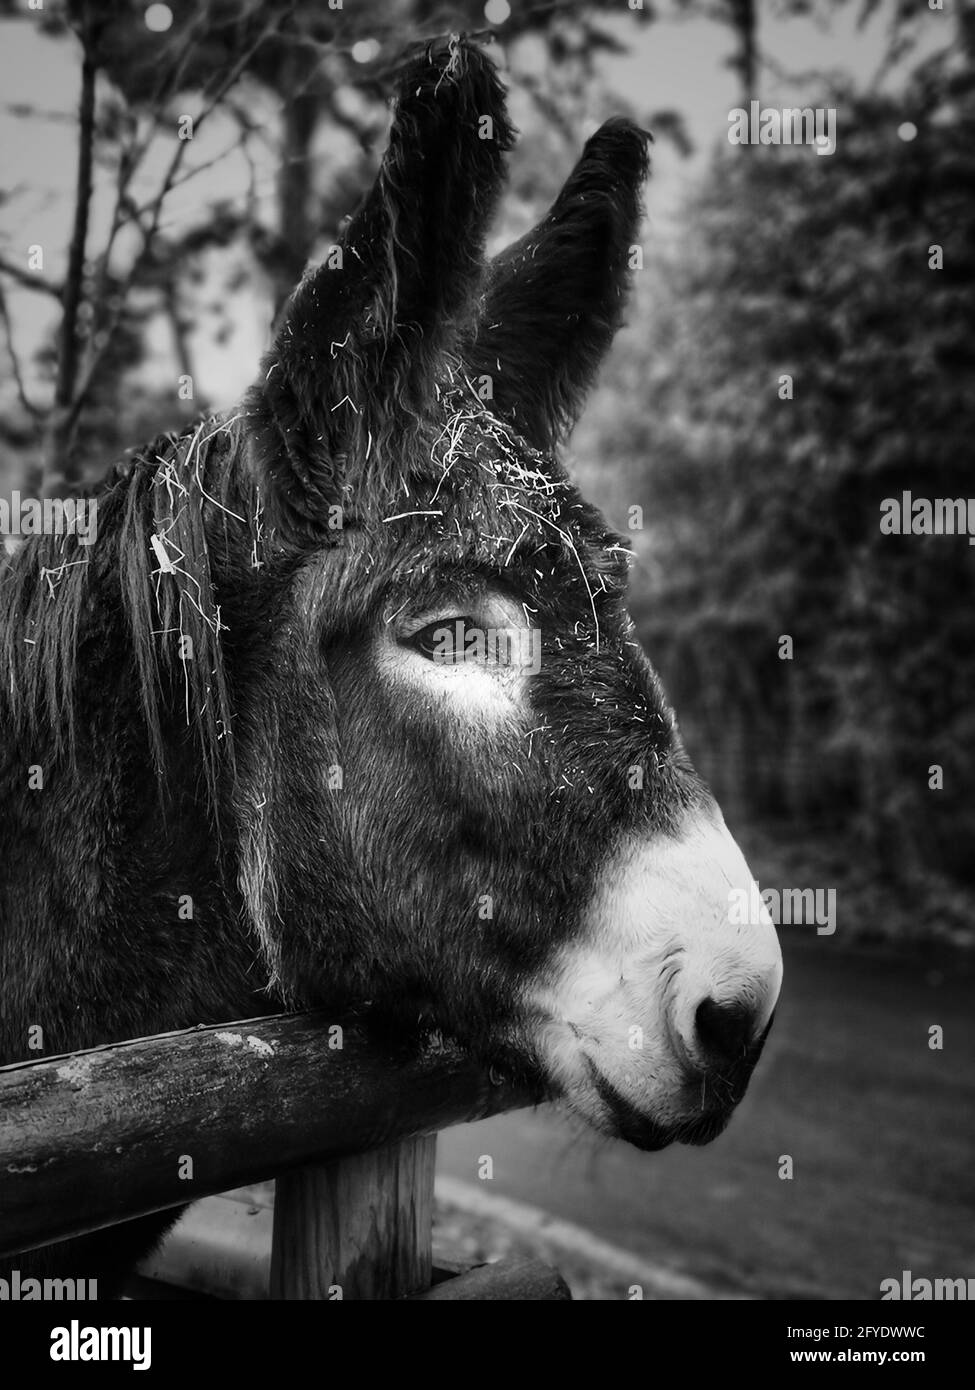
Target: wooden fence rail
x,y
94,1138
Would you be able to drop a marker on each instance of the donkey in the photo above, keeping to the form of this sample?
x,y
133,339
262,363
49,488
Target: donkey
x,y
257,749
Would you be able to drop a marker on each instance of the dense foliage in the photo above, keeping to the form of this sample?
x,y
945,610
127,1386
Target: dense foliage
x,y
763,512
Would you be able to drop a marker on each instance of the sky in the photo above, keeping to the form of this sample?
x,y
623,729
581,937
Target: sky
x,y
674,62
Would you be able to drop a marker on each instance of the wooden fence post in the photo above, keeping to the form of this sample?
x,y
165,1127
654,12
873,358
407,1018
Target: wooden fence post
x,y
362,1225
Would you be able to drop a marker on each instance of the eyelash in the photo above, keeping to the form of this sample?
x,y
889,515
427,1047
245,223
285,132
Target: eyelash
x,y
439,640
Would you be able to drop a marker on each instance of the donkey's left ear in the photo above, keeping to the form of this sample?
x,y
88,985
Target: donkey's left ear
x,y
555,298
364,338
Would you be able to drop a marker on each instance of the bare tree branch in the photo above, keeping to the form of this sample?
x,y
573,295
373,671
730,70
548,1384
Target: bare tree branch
x,y
137,214
29,280
22,395
550,109
58,468
106,335
25,109
743,20
181,328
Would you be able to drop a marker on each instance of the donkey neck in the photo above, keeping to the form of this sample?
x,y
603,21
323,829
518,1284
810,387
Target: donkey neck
x,y
118,911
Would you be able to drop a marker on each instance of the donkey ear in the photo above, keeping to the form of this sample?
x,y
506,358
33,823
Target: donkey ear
x,y
555,298
362,341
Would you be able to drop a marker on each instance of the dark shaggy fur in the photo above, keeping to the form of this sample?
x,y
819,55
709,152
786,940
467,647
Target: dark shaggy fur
x,y
210,774
361,349
569,276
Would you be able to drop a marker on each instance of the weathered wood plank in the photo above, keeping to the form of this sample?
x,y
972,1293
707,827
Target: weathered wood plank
x,y
96,1137
221,1247
359,1227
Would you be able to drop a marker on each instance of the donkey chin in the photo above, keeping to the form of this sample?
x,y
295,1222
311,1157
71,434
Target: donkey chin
x,y
651,1021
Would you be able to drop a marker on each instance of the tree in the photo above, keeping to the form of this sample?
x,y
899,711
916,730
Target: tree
x,y
142,89
807,361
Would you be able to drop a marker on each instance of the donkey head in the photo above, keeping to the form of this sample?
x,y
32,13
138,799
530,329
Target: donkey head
x,y
462,794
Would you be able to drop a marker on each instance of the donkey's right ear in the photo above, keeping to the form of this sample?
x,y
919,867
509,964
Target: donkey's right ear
x,y
555,298
365,337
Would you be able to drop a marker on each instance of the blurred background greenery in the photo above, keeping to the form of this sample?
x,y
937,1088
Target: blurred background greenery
x,y
163,262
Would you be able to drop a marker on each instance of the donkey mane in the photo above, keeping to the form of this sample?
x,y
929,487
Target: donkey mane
x,y
150,570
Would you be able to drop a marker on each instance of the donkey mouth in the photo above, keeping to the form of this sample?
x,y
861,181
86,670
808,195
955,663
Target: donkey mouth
x,y
645,1132
628,1122
648,1134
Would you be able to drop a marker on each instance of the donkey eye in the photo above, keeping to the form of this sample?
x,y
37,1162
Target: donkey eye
x,y
449,640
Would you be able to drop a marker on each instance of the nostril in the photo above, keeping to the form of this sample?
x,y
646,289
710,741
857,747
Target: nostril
x,y
724,1031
